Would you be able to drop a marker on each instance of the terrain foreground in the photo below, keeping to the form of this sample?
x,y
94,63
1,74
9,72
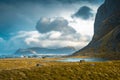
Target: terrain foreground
x,y
48,69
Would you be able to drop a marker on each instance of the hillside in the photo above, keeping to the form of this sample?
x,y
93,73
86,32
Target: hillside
x,y
106,39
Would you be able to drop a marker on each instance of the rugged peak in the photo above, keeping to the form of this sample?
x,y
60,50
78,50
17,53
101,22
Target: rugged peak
x,y
106,37
112,2
111,7
108,10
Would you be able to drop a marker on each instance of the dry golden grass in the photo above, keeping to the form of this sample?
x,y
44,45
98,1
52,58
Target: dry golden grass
x,y
26,69
17,63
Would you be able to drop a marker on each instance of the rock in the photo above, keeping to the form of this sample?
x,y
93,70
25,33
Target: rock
x,y
38,65
81,61
106,37
43,57
92,64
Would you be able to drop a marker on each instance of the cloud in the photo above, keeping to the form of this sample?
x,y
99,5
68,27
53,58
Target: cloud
x,y
17,15
84,13
45,25
12,19
18,18
52,39
52,1
51,33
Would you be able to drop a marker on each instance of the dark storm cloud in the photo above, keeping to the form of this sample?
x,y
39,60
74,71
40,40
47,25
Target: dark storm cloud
x,y
52,1
11,19
18,15
84,13
45,25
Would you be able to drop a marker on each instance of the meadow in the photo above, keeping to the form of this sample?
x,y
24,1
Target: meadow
x,y
48,69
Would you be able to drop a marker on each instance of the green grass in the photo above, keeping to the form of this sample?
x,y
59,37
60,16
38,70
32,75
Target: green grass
x,y
59,70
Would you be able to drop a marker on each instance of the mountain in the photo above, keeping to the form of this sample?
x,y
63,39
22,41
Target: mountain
x,y
106,39
45,51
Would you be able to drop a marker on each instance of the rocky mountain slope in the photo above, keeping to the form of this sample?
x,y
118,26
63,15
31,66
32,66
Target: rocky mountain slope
x,y
106,37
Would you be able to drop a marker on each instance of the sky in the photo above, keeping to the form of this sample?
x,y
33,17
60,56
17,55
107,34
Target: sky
x,y
46,23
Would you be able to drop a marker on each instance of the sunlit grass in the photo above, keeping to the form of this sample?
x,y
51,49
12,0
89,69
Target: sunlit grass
x,y
26,69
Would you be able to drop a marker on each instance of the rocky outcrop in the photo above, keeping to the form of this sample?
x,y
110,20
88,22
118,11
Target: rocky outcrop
x,y
106,19
106,37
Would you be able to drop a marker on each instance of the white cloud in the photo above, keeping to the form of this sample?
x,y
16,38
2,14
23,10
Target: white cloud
x,y
55,35
84,27
28,14
52,39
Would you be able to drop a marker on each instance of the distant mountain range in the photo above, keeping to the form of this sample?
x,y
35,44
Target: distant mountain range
x,y
38,51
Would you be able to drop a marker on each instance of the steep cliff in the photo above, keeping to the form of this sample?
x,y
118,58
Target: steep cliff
x,y
106,37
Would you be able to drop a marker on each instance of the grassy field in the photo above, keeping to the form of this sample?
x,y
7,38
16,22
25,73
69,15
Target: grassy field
x,y
26,69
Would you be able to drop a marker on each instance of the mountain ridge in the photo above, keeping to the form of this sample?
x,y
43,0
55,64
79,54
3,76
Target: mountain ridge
x,y
106,39
40,50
